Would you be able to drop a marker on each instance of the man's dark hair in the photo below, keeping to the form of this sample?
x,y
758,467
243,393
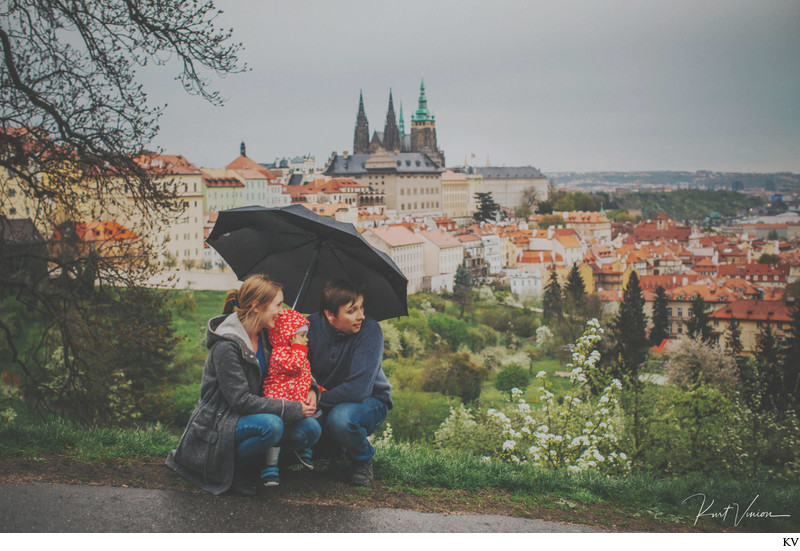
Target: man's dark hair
x,y
337,293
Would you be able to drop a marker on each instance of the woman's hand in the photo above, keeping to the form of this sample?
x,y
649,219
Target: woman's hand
x,y
311,399
308,410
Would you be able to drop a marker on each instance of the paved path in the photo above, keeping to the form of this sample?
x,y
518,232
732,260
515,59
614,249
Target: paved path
x,y
65,508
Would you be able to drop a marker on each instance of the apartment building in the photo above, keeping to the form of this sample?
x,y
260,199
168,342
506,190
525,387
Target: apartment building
x,y
405,248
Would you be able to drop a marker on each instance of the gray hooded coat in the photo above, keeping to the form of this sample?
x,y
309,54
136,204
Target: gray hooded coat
x,y
230,388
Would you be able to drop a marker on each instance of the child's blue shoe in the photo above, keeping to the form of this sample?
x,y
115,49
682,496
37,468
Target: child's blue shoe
x,y
269,476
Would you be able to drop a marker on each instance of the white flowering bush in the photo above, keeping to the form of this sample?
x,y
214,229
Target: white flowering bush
x,y
578,433
463,432
544,337
392,344
384,440
486,295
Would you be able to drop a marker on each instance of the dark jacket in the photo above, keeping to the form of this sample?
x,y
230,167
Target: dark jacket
x,y
230,388
347,366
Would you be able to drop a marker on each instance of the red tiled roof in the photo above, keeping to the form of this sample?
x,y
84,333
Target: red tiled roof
x,y
754,310
99,231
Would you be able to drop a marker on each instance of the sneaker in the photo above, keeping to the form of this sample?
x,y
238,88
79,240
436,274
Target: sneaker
x,y
362,473
269,476
304,457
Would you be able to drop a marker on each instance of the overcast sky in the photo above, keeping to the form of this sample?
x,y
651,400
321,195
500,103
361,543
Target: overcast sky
x,y
560,85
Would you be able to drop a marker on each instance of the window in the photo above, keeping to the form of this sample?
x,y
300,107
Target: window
x,y
680,312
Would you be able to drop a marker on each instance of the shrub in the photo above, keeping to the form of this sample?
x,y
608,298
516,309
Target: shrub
x,y
416,415
412,343
460,432
392,343
482,337
184,303
456,375
693,361
8,396
404,373
453,331
512,376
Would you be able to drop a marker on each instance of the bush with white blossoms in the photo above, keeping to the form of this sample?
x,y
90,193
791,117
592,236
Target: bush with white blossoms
x,y
384,440
577,434
543,335
466,431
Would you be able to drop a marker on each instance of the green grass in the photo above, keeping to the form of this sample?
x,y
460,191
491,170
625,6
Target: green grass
x,y
493,398
657,497
425,470
59,437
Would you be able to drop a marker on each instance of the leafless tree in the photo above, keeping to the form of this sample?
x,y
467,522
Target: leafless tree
x,y
73,120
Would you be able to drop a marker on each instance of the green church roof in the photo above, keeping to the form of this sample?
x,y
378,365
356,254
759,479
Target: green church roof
x,y
422,113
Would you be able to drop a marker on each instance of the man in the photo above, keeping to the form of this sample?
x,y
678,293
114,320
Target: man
x,y
346,352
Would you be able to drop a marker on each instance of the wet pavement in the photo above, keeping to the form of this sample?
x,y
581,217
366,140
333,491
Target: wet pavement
x,y
66,508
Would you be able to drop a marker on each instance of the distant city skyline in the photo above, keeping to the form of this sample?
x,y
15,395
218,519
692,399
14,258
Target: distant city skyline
x,y
576,86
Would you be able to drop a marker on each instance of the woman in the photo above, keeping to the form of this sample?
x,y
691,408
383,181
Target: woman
x,y
233,424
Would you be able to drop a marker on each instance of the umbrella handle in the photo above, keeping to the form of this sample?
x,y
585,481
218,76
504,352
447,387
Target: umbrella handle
x,y
311,267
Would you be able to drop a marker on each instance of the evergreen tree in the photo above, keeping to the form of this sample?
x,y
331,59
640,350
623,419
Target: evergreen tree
x,y
552,302
463,288
699,325
660,330
487,207
767,359
630,329
750,377
575,290
790,357
733,342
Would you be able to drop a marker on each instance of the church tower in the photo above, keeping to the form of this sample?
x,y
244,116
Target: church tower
x,y
361,140
423,130
391,134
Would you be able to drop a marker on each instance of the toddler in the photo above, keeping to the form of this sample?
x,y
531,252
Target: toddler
x,y
288,378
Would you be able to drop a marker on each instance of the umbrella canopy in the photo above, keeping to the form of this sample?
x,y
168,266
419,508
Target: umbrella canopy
x,y
303,250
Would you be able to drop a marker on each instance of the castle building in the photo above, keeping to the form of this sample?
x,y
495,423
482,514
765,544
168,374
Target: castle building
x,y
393,138
405,169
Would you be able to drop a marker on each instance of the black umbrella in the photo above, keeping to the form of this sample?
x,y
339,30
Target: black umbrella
x,y
302,250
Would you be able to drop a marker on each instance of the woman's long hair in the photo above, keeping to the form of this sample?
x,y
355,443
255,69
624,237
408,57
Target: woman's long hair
x,y
256,290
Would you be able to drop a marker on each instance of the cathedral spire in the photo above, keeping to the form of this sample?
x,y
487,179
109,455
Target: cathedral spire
x,y
361,140
361,104
391,134
422,113
401,124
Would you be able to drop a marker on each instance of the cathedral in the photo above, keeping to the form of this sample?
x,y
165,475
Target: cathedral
x,y
394,139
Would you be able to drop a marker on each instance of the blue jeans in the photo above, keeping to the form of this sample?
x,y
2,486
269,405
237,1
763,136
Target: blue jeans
x,y
257,433
348,424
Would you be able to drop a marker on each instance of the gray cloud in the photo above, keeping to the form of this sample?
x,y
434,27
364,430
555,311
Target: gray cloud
x,y
602,85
